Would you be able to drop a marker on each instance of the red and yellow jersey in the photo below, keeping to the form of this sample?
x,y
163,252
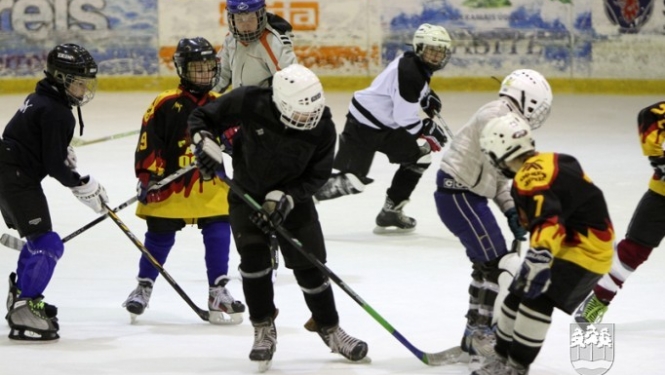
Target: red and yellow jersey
x,y
163,148
564,211
651,127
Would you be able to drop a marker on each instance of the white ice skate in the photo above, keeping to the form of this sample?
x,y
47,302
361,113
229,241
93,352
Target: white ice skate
x,y
265,343
138,299
224,309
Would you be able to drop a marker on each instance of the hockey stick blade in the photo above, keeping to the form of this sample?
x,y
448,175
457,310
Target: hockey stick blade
x,y
433,359
203,314
17,244
77,142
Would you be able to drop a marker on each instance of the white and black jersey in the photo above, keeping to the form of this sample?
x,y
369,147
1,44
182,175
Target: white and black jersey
x,y
392,101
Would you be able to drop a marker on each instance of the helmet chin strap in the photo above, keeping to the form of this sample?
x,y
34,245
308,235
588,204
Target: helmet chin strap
x,y
78,108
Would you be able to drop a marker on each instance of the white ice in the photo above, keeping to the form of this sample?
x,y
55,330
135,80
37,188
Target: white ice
x,y
417,282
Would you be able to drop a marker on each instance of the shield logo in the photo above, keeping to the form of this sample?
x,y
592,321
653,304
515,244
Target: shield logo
x,y
629,15
591,348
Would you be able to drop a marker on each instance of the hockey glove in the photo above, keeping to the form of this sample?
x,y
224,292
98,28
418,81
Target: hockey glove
x,y
209,154
514,223
431,104
143,192
276,207
227,139
70,160
534,276
658,165
434,135
91,193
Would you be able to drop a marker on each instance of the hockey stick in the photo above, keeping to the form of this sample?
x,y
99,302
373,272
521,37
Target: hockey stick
x,y
17,244
444,124
76,142
433,359
203,314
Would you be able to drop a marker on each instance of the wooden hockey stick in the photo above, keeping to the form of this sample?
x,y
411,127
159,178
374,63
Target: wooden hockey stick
x,y
433,359
76,142
203,314
17,244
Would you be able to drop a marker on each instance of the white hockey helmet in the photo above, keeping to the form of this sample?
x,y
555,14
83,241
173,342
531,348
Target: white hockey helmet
x,y
531,92
505,138
298,95
432,44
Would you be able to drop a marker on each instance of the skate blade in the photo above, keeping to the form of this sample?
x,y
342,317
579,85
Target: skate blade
x,y
223,319
28,337
388,231
264,365
133,318
448,357
364,361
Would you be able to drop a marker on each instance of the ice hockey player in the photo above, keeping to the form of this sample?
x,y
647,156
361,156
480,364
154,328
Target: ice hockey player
x,y
162,149
385,118
465,183
257,46
282,156
35,144
647,226
570,242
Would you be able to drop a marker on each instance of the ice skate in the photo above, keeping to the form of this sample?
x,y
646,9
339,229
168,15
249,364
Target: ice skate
x,y
339,185
340,342
224,309
591,310
265,343
138,299
13,293
28,321
391,219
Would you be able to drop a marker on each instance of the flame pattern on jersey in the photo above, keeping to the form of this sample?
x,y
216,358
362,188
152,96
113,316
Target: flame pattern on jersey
x,y
163,148
651,127
564,211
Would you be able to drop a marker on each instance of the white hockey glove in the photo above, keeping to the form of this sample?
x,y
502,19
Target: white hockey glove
x,y
277,206
70,161
91,193
534,277
209,154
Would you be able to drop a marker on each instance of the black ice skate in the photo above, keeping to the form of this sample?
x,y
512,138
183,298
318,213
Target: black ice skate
x,y
339,185
339,341
13,293
265,343
391,219
28,321
138,299
224,309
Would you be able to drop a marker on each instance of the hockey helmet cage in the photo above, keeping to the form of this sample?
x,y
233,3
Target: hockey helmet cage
x,y
532,93
432,45
74,71
197,64
298,95
247,19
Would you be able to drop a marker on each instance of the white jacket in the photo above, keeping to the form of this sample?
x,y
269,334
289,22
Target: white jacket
x,y
466,163
254,64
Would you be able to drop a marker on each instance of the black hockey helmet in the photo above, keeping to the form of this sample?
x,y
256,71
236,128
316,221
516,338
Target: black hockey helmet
x,y
73,70
197,64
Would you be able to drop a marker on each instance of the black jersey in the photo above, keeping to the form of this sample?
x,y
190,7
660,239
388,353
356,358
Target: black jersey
x,y
39,133
268,155
564,211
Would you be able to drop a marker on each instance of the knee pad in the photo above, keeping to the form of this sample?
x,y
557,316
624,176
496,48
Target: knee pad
x,y
311,280
255,261
48,244
508,266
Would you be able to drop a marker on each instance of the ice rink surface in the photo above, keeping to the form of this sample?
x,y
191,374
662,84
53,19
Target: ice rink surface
x,y
417,282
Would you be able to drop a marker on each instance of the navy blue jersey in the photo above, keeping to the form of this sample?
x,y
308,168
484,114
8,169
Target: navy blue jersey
x,y
39,133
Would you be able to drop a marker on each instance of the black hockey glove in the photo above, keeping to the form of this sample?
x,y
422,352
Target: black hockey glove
x,y
434,135
514,223
534,276
209,154
431,104
658,165
276,206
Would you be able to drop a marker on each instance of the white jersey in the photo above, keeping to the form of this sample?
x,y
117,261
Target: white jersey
x,y
393,99
466,163
255,63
